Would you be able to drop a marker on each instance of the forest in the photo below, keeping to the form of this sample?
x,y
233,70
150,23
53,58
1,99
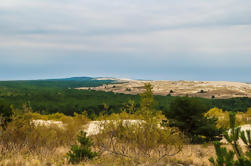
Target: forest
x,y
59,95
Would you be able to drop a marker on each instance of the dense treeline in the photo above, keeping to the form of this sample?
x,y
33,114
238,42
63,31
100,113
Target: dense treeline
x,y
232,104
51,96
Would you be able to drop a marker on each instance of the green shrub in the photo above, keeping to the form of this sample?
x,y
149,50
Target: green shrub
x,y
23,134
225,157
139,141
140,138
82,152
188,115
5,114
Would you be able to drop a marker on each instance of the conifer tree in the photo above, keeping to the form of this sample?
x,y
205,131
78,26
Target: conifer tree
x,y
81,152
225,157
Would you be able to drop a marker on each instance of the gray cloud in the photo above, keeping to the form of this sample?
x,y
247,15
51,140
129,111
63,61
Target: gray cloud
x,y
182,34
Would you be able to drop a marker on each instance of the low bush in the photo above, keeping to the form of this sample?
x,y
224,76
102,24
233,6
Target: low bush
x,y
138,141
82,151
22,134
223,118
235,157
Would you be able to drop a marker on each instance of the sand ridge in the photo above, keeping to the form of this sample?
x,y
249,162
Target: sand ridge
x,y
205,89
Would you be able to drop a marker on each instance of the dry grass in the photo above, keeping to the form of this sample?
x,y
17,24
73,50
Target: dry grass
x,y
190,155
24,144
23,157
194,154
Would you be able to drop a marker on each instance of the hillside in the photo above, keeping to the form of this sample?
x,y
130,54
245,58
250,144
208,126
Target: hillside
x,y
60,95
204,89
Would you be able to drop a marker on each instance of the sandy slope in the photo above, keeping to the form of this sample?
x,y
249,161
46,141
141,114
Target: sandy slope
x,y
219,89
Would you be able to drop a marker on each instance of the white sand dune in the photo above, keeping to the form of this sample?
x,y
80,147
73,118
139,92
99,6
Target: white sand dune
x,y
218,89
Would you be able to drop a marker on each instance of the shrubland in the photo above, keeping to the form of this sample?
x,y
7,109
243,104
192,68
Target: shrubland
x,y
139,134
24,139
142,141
238,155
223,117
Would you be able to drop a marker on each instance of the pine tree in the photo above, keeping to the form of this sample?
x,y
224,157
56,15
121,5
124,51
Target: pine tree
x,y
82,152
146,98
188,115
147,102
225,157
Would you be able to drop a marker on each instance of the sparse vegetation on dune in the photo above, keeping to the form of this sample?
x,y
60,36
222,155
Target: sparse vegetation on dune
x,y
204,89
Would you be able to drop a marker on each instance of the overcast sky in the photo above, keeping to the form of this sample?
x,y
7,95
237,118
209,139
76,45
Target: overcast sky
x,y
138,39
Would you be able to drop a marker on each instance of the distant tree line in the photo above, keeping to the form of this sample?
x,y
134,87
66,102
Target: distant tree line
x,y
54,96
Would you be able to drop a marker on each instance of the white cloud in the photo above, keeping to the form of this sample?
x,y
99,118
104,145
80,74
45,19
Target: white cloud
x,y
156,29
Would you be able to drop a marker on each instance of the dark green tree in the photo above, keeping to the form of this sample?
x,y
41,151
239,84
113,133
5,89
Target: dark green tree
x,y
5,114
82,151
188,115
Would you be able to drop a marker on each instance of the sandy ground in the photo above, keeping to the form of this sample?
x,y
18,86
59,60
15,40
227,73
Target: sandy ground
x,y
94,127
205,89
48,123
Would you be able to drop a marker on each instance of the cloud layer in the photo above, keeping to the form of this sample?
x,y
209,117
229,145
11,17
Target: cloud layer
x,y
161,39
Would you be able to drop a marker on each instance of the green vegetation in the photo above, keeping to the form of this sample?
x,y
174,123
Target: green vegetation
x,y
44,123
47,97
187,114
5,115
226,157
223,117
52,96
135,143
141,141
81,152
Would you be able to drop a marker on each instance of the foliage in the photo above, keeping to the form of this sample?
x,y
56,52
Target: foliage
x,y
138,140
147,103
249,112
21,133
225,157
187,114
5,114
82,152
142,139
146,98
129,107
52,96
24,134
223,118
233,104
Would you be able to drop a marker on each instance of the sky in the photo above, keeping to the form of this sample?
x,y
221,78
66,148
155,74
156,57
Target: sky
x,y
137,39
